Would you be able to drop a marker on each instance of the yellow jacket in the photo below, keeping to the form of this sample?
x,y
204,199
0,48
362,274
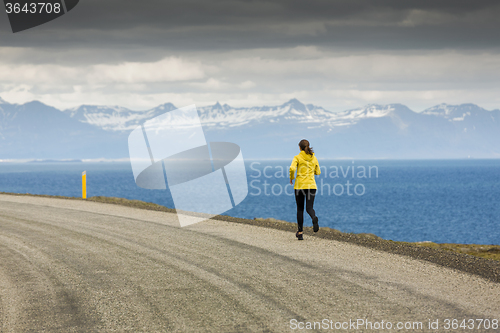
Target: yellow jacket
x,y
307,166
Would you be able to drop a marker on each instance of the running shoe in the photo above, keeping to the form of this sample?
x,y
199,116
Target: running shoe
x,y
315,224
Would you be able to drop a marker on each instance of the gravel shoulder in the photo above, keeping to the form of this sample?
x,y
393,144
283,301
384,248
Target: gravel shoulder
x,y
82,266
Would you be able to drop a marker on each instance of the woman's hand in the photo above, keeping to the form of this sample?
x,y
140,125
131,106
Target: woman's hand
x,y
291,183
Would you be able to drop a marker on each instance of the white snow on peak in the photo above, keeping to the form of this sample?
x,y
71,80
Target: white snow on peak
x,y
462,117
222,116
454,112
369,111
440,110
111,118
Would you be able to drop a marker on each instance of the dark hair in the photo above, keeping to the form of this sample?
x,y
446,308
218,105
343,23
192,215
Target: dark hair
x,y
304,145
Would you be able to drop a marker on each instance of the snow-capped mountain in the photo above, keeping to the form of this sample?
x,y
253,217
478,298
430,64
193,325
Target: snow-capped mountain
x,y
467,117
115,118
453,112
35,130
220,116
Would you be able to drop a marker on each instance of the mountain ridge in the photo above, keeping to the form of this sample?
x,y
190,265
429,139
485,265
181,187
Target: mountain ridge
x,y
292,110
36,130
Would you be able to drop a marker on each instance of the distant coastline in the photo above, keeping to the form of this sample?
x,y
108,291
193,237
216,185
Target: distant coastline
x,y
341,159
95,160
55,161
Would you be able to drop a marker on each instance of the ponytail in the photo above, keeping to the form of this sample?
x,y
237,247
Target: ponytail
x,y
304,145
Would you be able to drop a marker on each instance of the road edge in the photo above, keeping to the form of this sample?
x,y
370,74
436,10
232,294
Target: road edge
x,y
485,268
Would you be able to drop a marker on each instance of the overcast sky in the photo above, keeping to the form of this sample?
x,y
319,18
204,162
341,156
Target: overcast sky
x,y
335,54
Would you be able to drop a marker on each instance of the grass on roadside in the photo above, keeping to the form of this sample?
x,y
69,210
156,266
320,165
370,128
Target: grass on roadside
x,y
483,251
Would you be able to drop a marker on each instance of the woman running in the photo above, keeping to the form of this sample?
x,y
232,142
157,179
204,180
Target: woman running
x,y
306,166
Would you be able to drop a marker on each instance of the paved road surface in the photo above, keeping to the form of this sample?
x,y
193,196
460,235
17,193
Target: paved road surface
x,y
75,266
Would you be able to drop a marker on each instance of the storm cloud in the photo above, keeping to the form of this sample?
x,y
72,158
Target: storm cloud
x,y
338,54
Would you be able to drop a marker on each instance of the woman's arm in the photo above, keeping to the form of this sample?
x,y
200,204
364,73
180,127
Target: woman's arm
x,y
317,169
293,168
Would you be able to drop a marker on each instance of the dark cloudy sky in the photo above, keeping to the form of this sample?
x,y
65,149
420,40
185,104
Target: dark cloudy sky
x,y
336,54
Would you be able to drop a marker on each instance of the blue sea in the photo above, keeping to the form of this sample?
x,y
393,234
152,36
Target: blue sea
x,y
444,201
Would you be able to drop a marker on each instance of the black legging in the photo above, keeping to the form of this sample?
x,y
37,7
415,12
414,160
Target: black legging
x,y
300,195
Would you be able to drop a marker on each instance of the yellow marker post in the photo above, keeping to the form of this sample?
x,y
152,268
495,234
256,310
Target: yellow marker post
x,y
84,185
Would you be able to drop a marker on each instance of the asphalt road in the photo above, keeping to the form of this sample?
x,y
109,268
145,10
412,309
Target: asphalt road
x,y
75,266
